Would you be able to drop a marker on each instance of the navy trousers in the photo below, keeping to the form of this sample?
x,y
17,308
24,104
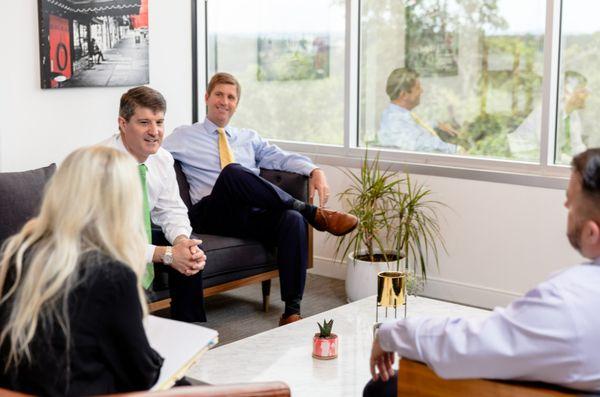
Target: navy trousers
x,y
242,204
187,297
381,388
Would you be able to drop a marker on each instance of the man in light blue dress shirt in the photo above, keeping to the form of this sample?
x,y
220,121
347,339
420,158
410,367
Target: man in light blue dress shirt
x,y
236,201
400,127
551,334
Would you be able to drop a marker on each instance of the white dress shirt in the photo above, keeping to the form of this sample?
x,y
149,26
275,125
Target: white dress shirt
x,y
398,128
167,210
552,334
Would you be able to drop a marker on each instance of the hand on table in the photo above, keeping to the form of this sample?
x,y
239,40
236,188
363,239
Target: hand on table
x,y
381,362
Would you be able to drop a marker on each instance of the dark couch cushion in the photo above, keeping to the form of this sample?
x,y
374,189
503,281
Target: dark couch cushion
x,y
20,198
228,259
230,255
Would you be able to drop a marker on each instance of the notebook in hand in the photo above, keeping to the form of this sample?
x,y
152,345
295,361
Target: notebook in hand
x,y
180,344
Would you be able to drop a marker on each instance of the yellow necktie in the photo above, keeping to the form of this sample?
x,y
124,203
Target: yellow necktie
x,y
225,152
423,124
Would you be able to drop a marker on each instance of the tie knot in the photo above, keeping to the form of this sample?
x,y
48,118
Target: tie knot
x,y
221,131
143,170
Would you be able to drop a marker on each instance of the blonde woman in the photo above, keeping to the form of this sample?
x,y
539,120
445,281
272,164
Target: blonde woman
x,y
71,300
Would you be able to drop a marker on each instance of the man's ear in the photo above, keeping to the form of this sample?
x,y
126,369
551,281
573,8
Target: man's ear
x,y
591,233
121,122
206,97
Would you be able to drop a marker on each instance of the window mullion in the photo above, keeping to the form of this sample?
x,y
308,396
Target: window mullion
x,y
351,73
550,83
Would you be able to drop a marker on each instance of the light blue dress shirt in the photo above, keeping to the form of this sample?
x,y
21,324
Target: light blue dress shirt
x,y
399,129
197,148
551,334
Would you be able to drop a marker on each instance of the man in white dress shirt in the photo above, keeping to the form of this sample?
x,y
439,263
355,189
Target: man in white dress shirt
x,y
141,129
400,127
551,334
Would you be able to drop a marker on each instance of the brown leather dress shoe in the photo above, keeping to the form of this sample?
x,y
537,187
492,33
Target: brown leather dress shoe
x,y
289,319
335,222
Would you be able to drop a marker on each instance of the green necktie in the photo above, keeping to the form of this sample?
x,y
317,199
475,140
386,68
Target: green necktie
x,y
149,274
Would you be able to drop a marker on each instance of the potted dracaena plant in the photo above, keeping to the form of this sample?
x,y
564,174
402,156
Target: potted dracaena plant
x,y
398,229
325,343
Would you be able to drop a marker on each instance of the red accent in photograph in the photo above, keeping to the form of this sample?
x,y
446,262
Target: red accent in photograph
x,y
141,20
60,48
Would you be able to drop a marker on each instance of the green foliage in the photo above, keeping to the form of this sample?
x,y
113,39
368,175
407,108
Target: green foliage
x,y
488,134
396,217
325,329
418,233
371,197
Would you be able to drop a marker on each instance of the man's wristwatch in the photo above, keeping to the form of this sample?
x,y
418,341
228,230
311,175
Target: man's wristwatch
x,y
167,258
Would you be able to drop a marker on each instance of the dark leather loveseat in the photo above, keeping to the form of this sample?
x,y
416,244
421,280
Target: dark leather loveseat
x,y
233,262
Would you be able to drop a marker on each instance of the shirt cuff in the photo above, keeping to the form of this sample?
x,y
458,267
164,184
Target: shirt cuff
x,y
150,252
307,169
386,339
173,234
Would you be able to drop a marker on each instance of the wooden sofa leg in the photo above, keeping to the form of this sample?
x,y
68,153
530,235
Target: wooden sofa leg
x,y
266,294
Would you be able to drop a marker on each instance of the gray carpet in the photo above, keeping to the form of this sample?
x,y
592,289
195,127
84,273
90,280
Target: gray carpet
x,y
238,314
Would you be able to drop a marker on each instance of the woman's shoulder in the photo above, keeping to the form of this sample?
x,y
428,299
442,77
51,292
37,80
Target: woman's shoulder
x,y
101,268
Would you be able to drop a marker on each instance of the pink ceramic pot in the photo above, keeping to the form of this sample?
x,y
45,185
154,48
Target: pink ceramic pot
x,y
325,348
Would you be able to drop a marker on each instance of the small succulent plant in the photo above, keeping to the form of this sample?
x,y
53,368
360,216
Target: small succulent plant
x,y
325,328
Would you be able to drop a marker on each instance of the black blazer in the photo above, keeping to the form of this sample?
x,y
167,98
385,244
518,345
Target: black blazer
x,y
108,350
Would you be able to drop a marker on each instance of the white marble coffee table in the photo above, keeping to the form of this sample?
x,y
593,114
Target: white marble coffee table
x,y
284,353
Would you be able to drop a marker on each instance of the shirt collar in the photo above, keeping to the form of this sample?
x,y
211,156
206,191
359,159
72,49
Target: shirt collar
x,y
398,108
211,127
121,146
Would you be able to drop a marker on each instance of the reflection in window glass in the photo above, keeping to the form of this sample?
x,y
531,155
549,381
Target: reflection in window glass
x,y
452,76
576,121
289,58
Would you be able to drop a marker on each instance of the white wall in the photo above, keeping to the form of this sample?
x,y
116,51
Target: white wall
x,y
42,126
502,239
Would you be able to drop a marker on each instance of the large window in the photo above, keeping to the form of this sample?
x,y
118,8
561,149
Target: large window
x,y
450,76
504,85
289,58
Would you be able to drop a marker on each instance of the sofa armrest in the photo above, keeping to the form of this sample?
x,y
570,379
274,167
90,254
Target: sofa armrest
x,y
295,184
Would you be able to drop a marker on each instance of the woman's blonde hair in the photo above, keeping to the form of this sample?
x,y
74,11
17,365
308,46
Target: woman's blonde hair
x,y
92,204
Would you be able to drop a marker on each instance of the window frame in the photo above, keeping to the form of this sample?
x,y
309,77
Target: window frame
x,y
544,174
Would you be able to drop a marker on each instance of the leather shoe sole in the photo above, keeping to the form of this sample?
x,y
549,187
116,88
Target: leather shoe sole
x,y
335,222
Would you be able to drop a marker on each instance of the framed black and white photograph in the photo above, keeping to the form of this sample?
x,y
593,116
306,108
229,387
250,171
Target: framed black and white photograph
x,y
93,43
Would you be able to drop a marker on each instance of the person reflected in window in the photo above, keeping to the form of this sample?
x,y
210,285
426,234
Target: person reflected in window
x,y
524,141
576,93
71,299
550,334
400,126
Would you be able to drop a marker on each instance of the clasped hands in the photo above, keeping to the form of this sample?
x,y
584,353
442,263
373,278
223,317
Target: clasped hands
x,y
188,259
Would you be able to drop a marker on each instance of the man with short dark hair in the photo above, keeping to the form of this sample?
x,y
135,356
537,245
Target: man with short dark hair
x,y
551,334
141,129
400,126
222,163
